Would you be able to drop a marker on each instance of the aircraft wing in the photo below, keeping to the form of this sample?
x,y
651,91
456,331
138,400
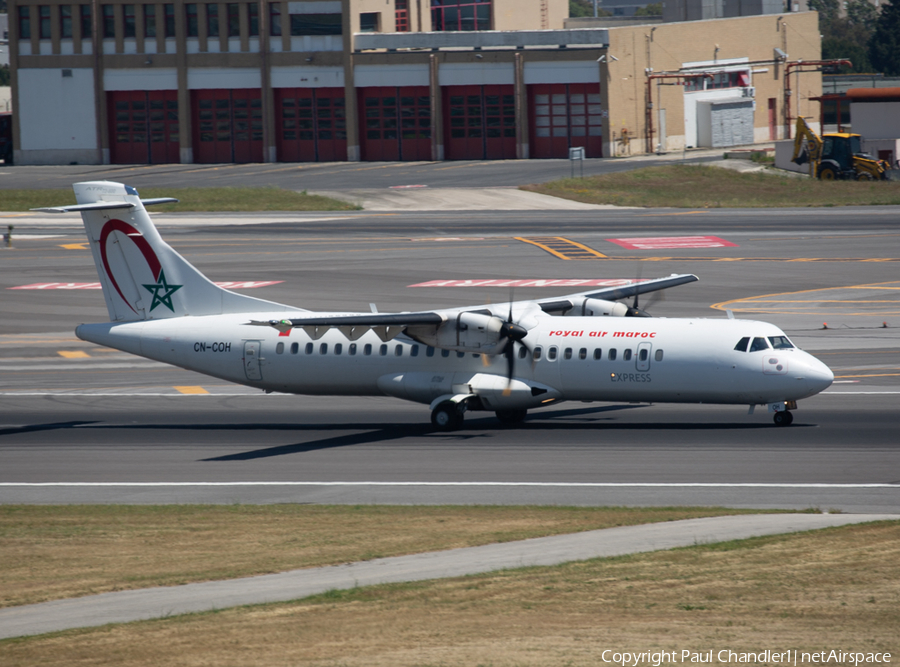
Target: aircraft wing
x,y
389,325
614,293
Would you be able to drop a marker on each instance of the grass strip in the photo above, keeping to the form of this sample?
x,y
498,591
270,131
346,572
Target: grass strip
x,y
54,552
697,186
837,588
212,200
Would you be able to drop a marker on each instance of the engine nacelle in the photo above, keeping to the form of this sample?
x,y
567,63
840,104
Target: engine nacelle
x,y
475,332
597,308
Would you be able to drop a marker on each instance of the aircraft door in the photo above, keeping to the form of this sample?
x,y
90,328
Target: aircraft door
x,y
643,356
251,360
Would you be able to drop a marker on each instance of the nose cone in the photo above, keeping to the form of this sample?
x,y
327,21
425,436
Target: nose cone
x,y
817,375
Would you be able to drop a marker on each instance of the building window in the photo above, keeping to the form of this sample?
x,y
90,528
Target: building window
x,y
212,19
109,22
368,22
149,20
253,10
128,20
24,22
316,24
234,20
460,15
170,20
401,15
275,19
191,23
86,27
45,32
65,21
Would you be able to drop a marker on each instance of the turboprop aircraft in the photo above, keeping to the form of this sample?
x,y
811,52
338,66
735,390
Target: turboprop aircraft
x,y
507,358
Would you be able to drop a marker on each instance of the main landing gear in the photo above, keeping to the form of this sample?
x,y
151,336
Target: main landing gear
x,y
448,416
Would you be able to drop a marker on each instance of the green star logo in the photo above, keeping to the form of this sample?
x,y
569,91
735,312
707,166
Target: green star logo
x,y
162,292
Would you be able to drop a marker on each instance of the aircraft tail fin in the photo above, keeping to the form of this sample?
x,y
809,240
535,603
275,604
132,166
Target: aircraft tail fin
x,y
142,277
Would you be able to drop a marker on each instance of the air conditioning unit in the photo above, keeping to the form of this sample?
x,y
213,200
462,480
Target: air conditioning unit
x,y
750,91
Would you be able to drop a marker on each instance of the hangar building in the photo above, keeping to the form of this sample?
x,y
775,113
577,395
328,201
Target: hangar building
x,y
327,80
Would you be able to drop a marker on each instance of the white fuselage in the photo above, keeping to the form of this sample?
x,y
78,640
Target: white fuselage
x,y
655,360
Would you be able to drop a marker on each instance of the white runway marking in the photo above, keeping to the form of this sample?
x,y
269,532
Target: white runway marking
x,y
668,485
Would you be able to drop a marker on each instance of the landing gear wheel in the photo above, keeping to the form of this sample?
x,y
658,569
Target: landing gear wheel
x,y
827,174
511,416
783,418
447,417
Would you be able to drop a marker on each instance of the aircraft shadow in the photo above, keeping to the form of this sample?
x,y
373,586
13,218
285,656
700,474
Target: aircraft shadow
x,y
34,428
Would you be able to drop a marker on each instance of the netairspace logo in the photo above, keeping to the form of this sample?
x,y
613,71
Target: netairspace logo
x,y
725,656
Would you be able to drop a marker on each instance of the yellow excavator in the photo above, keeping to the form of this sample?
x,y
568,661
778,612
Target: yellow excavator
x,y
838,155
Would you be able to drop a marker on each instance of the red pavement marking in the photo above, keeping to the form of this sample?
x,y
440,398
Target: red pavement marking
x,y
660,242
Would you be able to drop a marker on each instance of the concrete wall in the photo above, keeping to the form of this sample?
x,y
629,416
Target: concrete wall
x,y
519,15
876,120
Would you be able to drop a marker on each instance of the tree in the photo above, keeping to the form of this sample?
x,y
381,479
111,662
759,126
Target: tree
x,y
884,46
579,8
655,9
4,75
846,36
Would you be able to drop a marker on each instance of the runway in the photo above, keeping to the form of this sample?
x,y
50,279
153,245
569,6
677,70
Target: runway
x,y
83,424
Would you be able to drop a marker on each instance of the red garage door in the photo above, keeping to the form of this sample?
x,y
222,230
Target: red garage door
x,y
479,122
311,124
565,116
227,125
396,123
143,126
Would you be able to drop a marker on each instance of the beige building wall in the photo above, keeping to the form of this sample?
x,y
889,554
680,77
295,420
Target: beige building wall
x,y
530,14
635,51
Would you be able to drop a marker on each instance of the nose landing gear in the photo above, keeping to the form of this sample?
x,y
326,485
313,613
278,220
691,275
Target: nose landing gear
x,y
783,418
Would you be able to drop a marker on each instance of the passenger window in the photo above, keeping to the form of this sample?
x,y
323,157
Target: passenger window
x,y
598,354
367,350
382,350
537,353
279,348
295,348
626,355
659,355
351,350
611,355
460,355
582,353
742,344
445,353
643,355
338,348
414,351
309,348
759,344
523,352
429,351
398,351
323,348
781,342
568,353
551,353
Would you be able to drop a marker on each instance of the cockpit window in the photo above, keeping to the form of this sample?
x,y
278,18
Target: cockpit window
x,y
781,342
742,344
759,344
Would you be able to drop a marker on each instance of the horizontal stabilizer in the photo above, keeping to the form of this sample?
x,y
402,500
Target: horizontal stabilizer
x,y
104,205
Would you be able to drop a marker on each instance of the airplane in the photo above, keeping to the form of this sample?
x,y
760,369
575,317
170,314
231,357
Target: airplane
x,y
508,358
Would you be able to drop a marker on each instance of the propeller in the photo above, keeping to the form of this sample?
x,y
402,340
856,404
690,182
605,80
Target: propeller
x,y
514,333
